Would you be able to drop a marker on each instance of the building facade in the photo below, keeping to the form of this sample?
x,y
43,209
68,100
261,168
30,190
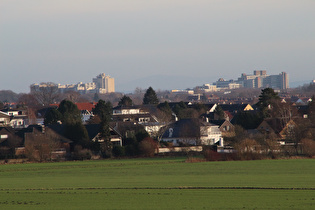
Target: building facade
x,y
104,83
259,79
101,84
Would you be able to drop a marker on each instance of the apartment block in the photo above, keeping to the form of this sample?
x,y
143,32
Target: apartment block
x,y
101,84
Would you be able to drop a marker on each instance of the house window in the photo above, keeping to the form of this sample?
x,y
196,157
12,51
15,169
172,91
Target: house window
x,y
5,136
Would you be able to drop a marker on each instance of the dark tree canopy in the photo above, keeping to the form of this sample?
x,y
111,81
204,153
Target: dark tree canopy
x,y
125,101
165,107
70,116
267,98
78,134
52,117
103,110
150,97
248,120
219,112
70,112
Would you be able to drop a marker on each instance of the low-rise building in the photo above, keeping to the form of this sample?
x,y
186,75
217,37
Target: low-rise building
x,y
188,132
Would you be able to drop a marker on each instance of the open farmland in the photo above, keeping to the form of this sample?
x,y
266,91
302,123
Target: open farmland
x,y
164,183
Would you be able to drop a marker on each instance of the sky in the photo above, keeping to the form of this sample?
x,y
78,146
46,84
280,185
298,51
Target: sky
x,y
166,44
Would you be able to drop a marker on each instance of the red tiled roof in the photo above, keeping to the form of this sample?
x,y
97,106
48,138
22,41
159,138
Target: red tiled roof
x,y
86,106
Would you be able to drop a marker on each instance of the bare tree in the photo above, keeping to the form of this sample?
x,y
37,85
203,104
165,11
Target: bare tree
x,y
46,93
285,112
39,146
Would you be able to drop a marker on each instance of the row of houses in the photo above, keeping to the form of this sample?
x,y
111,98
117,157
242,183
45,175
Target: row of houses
x,y
15,131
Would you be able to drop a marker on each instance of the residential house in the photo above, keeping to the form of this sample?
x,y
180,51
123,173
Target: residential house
x,y
9,140
18,118
139,115
192,132
47,139
94,134
225,126
86,110
235,108
4,119
275,127
303,111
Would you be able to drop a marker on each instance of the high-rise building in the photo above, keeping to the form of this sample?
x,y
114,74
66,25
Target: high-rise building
x,y
280,81
260,79
104,83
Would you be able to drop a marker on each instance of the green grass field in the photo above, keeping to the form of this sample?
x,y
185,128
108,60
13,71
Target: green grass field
x,y
160,183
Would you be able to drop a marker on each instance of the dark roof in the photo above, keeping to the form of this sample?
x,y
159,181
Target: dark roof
x,y
94,129
189,128
303,109
3,114
58,128
217,122
275,124
11,133
10,110
207,106
233,107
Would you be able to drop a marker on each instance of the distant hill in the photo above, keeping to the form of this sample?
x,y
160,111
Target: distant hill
x,y
299,83
8,96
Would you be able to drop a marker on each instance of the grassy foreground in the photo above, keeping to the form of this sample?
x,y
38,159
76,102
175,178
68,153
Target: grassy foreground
x,y
164,183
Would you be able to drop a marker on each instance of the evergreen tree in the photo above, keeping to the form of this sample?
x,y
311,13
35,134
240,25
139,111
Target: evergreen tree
x,y
78,134
70,112
150,97
74,128
125,101
103,110
219,111
267,98
165,107
52,117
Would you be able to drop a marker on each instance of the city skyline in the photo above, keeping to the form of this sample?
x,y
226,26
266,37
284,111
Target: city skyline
x,y
166,45
102,84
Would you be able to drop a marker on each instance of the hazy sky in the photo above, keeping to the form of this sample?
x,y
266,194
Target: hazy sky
x,y
198,41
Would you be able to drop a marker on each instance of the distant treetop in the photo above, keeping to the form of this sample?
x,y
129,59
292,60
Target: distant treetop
x,y
150,97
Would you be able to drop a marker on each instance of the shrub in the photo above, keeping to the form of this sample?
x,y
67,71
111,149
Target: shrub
x,y
118,151
249,149
81,154
211,155
308,147
147,147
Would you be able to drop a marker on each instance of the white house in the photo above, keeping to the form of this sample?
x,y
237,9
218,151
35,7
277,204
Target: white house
x,y
192,132
17,118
